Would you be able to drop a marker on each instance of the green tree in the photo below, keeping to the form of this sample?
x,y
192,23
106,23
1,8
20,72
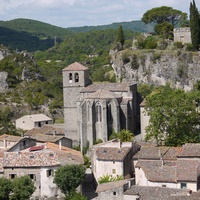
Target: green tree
x,y
164,29
194,25
6,187
173,115
125,136
163,14
120,35
69,177
76,196
22,188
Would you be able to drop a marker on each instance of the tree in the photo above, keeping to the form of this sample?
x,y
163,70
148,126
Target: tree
x,y
163,14
164,29
123,135
6,187
69,177
120,35
174,118
22,188
194,25
76,196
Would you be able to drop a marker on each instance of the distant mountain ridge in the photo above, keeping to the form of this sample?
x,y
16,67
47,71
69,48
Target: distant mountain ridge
x,y
32,35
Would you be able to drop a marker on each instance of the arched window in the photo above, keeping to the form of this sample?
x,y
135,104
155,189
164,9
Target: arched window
x,y
70,76
76,77
98,112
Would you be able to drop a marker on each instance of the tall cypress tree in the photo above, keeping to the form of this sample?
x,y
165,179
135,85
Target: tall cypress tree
x,y
120,35
195,25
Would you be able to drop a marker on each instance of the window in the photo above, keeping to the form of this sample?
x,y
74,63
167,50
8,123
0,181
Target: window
x,y
98,112
183,185
70,76
114,171
164,186
114,193
24,143
12,176
76,77
32,177
50,172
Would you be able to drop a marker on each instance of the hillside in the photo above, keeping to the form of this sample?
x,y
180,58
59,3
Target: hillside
x,y
32,35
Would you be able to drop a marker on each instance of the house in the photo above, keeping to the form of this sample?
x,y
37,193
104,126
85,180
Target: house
x,y
47,129
49,133
171,167
113,190
183,35
40,163
15,143
94,111
113,158
27,122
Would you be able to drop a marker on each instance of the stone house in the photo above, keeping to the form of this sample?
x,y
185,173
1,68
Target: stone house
x,y
94,111
40,163
27,122
113,158
182,35
171,167
113,190
15,143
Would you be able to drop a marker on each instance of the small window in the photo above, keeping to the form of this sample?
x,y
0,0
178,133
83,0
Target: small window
x,y
12,176
114,171
164,186
113,162
114,193
23,121
76,77
183,185
51,155
24,143
50,173
70,76
31,156
32,177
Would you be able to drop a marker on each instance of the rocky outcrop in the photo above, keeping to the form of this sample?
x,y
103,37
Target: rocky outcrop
x,y
179,68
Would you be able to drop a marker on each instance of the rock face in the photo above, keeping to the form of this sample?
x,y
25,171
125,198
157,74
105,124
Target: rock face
x,y
3,83
179,68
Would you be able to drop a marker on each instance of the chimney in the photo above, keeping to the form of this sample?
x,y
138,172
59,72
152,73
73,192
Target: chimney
x,y
60,144
5,143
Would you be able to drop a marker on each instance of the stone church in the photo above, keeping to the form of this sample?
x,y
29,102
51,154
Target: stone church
x,y
95,111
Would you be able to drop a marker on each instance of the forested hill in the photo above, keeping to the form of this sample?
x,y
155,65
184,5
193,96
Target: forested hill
x,y
32,35
135,26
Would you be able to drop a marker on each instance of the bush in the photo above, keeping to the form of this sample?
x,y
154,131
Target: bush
x,y
109,178
125,58
134,63
178,45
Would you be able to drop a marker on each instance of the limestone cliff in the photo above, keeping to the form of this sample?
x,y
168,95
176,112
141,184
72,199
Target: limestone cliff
x,y
178,67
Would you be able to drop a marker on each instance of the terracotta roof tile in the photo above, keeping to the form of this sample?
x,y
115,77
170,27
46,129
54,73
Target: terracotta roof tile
x,y
152,152
111,153
111,185
154,193
75,67
103,94
157,171
47,129
112,87
187,169
190,150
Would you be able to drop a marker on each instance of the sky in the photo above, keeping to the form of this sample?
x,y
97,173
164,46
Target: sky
x,y
77,13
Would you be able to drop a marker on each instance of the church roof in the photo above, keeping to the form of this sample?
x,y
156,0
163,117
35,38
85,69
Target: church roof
x,y
112,87
75,67
103,94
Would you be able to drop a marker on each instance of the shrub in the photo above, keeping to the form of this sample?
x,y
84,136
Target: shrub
x,y
178,45
134,63
108,178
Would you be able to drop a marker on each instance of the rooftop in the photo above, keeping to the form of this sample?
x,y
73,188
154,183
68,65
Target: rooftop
x,y
112,87
75,67
111,153
36,117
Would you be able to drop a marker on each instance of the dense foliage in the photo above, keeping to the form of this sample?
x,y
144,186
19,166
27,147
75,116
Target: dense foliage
x,y
123,135
174,116
163,14
20,188
69,177
194,25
